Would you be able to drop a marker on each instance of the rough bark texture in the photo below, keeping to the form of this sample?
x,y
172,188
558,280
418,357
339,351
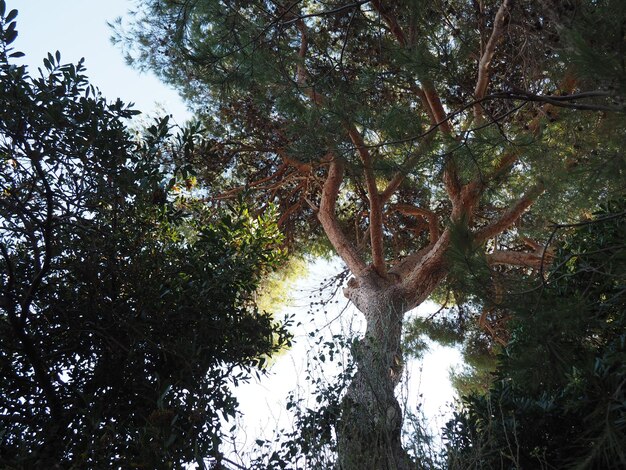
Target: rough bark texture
x,y
371,423
369,436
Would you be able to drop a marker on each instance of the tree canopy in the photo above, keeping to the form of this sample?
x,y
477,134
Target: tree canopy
x,y
284,86
126,304
416,139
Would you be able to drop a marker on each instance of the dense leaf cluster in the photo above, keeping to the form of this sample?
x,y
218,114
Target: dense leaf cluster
x,y
557,400
126,311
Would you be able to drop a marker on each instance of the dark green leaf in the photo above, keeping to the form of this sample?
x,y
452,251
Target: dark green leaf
x,y
11,16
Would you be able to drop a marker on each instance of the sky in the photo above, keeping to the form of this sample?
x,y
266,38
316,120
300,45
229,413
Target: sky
x,y
78,28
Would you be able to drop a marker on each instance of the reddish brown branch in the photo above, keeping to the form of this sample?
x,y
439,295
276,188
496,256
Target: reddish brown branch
x,y
375,209
283,218
437,112
297,164
485,61
376,219
536,246
302,73
516,258
328,218
423,271
540,256
451,182
391,21
510,216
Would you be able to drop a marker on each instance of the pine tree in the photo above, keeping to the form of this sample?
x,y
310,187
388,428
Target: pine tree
x,y
408,137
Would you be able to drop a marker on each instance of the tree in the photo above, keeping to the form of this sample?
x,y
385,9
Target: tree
x,y
570,412
408,136
126,306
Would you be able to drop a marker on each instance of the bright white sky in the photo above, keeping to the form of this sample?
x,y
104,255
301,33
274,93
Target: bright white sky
x,y
77,28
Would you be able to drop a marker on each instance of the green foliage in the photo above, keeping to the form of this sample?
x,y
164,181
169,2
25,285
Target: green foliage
x,y
312,441
275,290
126,305
598,57
236,62
558,397
289,83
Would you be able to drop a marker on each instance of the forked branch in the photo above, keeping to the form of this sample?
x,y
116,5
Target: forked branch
x,y
375,209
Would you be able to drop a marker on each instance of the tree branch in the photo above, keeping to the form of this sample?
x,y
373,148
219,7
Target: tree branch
x,y
431,217
425,270
485,61
450,177
375,209
510,216
297,164
327,217
399,176
437,111
506,163
391,21
516,258
375,212
302,73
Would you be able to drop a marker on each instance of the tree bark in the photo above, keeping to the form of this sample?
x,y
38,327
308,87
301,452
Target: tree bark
x,y
369,433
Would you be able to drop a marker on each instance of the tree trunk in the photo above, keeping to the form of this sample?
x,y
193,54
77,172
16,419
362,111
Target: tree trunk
x,y
369,434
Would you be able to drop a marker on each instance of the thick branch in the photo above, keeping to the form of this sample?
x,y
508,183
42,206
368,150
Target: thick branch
x,y
516,258
375,212
427,271
438,116
302,73
510,216
375,215
428,93
451,182
328,218
437,111
485,61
